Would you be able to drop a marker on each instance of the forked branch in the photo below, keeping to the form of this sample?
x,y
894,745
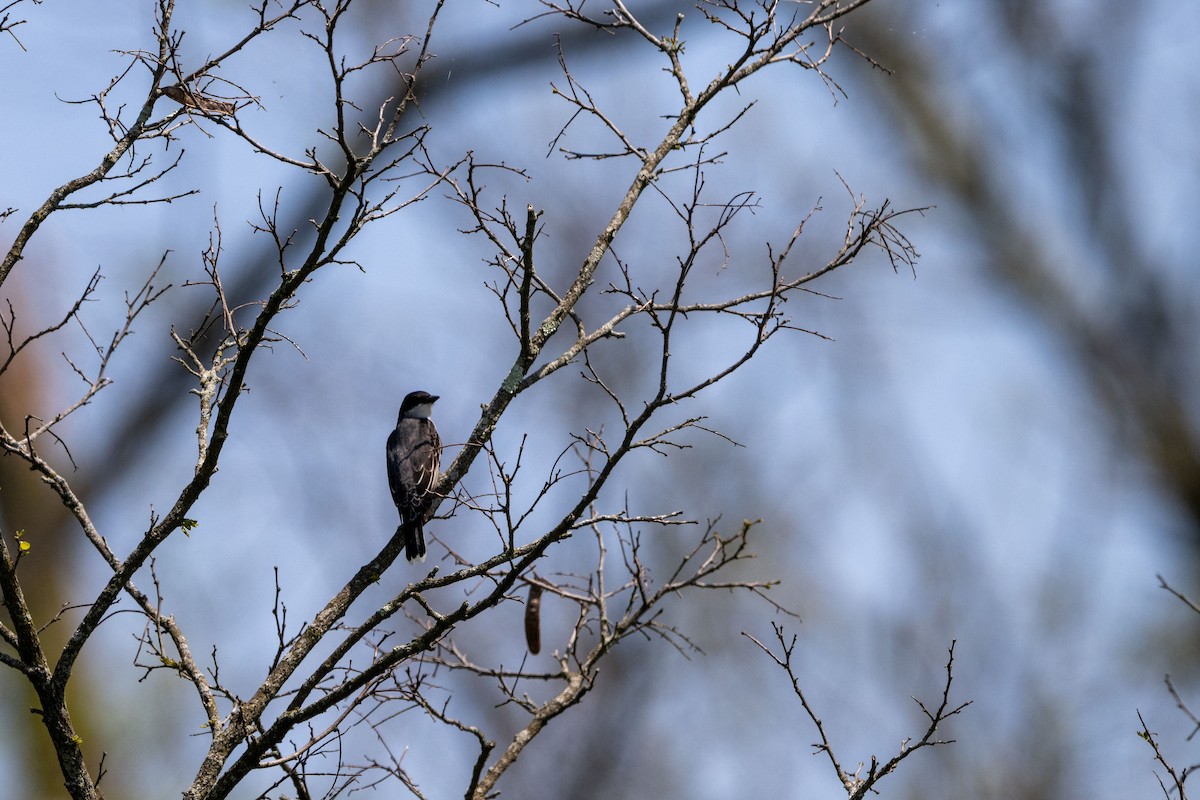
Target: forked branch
x,y
856,784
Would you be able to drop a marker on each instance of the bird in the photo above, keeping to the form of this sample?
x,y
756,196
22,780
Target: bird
x,y
414,455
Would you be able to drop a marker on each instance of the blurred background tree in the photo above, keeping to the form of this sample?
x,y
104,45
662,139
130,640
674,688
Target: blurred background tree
x,y
1001,452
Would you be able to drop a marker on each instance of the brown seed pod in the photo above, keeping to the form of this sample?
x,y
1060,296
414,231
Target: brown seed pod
x,y
533,621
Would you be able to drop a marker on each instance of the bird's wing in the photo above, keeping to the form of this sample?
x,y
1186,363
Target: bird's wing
x,y
427,459
395,460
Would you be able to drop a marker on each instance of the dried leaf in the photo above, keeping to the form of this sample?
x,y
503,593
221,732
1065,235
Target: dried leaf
x,y
187,97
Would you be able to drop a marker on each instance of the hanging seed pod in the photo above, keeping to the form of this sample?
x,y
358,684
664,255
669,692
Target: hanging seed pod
x,y
533,620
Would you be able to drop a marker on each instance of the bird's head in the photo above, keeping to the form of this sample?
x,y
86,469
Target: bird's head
x,y
417,405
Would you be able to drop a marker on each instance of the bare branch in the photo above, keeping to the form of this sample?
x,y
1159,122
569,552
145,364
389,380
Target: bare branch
x,y
123,144
858,786
1174,787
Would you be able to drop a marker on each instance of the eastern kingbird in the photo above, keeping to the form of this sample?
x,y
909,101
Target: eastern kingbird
x,y
414,456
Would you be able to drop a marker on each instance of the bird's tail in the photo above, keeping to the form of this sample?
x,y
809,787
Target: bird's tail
x,y
414,541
